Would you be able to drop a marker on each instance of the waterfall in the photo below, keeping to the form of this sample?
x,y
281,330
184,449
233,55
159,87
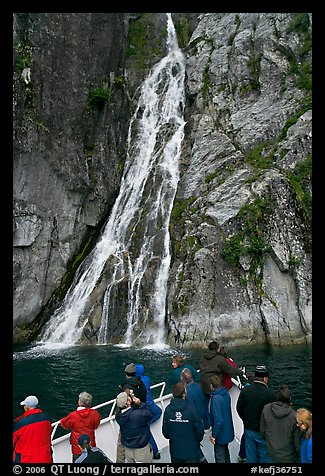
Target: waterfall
x,y
125,275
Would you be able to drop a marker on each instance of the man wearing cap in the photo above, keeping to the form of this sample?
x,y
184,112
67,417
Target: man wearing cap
x,y
90,454
134,382
249,407
82,420
32,434
133,417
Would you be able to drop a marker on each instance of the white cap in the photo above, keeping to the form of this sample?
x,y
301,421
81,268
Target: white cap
x,y
30,401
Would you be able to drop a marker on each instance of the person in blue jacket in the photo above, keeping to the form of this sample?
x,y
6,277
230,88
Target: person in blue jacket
x,y
222,431
133,418
305,423
195,395
156,410
183,427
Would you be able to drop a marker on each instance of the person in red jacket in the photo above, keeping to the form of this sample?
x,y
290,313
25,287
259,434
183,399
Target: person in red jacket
x,y
83,420
227,382
32,434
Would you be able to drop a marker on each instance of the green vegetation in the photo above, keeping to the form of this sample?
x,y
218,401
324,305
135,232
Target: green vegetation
x,y
179,208
99,97
254,66
299,67
300,23
293,262
206,76
259,160
142,42
292,120
183,30
232,36
250,241
67,278
23,57
302,172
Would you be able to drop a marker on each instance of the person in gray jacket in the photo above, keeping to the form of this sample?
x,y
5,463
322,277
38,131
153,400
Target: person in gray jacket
x,y
278,427
214,363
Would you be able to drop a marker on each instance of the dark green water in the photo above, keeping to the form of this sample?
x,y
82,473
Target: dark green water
x,y
57,377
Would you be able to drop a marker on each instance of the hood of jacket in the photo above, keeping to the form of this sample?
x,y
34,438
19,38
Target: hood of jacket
x,y
134,381
280,409
219,391
209,354
139,370
31,411
177,404
83,412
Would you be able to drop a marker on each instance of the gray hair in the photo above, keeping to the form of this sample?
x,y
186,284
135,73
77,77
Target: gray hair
x,y
186,375
85,399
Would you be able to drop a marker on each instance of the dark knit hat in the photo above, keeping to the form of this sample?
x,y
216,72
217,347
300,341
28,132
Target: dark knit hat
x,y
261,371
83,438
130,369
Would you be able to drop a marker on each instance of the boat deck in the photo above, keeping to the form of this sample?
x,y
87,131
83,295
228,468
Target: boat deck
x,y
207,449
108,431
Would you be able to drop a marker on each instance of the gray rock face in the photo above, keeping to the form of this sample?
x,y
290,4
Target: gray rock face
x,y
241,247
68,154
248,132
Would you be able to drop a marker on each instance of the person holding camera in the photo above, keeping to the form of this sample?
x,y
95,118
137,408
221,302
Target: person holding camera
x,y
133,417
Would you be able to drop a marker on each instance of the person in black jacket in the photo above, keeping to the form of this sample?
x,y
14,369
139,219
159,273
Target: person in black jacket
x,y
182,427
90,454
249,407
134,382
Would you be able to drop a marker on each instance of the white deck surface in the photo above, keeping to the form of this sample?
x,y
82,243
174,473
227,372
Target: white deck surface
x,y
207,448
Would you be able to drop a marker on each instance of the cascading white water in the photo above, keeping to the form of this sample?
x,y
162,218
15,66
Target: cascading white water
x,y
135,244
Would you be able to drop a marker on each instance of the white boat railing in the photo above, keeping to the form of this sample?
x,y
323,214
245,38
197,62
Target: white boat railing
x,y
112,402
108,431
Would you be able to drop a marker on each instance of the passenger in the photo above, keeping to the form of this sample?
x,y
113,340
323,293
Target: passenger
x,y
183,427
90,454
32,434
178,366
133,419
156,410
213,363
279,427
222,432
82,420
227,382
195,395
305,423
120,404
134,383
242,451
249,407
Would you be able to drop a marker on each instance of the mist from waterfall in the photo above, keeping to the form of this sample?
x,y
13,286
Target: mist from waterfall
x,y
133,253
